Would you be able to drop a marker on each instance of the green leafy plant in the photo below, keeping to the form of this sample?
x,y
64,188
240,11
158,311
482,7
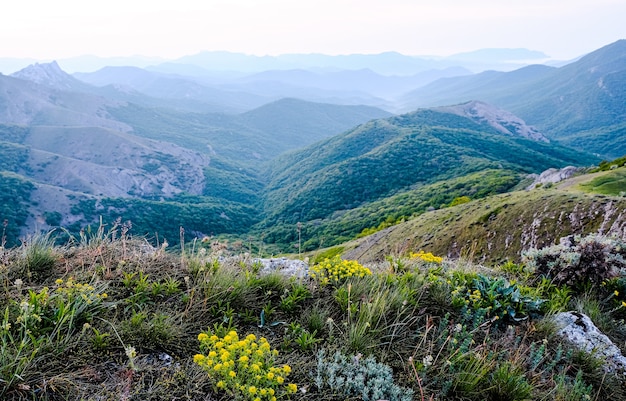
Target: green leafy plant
x,y
99,340
291,300
307,340
498,298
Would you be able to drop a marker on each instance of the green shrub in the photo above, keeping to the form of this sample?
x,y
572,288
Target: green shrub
x,y
500,300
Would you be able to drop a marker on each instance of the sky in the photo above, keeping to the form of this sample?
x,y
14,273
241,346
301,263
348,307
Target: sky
x,y
563,29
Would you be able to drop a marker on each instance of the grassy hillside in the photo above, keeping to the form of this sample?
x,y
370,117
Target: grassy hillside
x,y
611,182
498,228
108,317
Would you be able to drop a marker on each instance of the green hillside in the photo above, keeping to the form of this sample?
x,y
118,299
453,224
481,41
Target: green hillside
x,y
159,220
612,182
383,157
249,138
580,104
344,225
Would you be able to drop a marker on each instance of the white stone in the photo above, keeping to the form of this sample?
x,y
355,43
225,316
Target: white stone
x,y
580,331
554,175
286,267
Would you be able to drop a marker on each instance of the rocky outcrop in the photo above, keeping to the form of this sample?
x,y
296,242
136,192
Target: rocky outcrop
x,y
286,267
502,120
554,175
52,76
579,330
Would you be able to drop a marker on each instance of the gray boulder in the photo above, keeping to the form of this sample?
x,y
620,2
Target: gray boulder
x,y
553,175
579,330
286,267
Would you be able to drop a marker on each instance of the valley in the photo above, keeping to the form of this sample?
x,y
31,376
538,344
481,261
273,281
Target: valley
x,y
220,159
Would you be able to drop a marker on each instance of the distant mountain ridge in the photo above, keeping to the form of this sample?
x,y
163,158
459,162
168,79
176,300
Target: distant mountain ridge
x,y
580,104
48,74
231,154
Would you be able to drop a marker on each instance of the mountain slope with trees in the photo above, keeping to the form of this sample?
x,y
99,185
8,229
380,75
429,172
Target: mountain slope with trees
x,y
579,104
382,157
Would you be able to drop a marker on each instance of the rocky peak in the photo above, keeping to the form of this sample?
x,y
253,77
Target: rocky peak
x,y
502,120
48,74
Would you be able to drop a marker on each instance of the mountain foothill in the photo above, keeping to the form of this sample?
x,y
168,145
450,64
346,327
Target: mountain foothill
x,y
298,157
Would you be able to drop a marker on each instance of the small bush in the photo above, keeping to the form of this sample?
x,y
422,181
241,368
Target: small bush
x,y
351,376
584,261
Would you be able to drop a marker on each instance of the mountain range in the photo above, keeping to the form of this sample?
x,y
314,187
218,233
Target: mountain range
x,y
257,153
580,104
223,63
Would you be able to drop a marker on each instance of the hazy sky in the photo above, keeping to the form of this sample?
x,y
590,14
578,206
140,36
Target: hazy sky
x,y
46,29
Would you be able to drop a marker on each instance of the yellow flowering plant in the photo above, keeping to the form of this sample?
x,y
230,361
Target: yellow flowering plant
x,y
41,319
244,368
336,270
426,257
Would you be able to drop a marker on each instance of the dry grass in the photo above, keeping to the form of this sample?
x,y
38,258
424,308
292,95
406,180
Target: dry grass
x,y
157,302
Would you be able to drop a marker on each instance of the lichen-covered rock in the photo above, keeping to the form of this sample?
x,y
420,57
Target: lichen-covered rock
x,y
284,266
580,331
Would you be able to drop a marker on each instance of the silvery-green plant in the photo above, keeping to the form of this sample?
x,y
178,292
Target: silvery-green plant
x,y
353,376
579,261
